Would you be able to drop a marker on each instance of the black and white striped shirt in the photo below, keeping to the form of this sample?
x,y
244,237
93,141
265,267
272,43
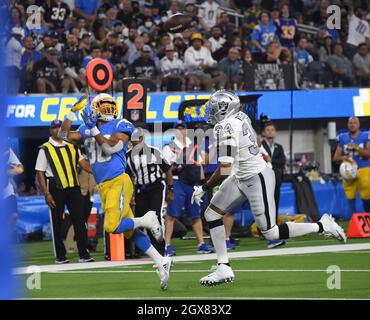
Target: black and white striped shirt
x,y
146,164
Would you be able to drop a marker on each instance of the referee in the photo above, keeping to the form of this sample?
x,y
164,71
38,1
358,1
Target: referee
x,y
150,170
56,171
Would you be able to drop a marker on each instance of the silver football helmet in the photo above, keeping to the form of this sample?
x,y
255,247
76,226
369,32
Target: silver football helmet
x,y
221,105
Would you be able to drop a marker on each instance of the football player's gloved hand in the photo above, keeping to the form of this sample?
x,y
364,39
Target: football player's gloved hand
x,y
88,118
80,104
197,195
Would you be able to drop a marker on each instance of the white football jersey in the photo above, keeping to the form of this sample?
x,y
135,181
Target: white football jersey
x,y
237,144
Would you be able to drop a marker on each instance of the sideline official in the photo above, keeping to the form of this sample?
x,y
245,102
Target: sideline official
x,y
56,171
153,176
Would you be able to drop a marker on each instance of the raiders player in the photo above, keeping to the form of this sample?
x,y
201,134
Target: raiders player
x,y
247,177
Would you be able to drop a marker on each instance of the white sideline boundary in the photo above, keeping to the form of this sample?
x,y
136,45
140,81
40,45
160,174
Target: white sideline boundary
x,y
187,258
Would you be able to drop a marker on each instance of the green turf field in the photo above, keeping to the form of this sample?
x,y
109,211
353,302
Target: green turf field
x,y
290,276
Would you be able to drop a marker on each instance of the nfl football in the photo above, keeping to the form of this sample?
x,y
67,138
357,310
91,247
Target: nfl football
x,y
177,23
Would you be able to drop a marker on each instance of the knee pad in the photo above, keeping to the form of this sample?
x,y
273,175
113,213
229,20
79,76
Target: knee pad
x,y
213,218
272,233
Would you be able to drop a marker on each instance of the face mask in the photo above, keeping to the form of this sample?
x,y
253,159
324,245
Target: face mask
x,y
164,19
148,24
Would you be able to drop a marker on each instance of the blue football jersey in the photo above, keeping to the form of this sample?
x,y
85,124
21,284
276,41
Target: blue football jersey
x,y
106,167
287,29
263,35
361,140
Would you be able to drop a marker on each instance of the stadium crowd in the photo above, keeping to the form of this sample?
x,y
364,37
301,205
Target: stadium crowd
x,y
50,43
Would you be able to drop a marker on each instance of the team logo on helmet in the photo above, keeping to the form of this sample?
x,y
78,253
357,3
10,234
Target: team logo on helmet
x,y
223,105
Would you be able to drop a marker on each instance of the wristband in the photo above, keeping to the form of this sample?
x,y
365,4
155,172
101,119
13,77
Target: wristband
x,y
70,116
94,131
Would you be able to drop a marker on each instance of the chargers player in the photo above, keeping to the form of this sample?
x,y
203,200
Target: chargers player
x,y
354,146
248,177
106,140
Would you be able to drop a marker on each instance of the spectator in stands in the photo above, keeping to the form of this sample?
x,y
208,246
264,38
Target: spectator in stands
x,y
111,16
361,65
287,28
172,70
85,43
48,72
201,66
273,53
28,60
301,55
231,66
14,52
125,14
174,8
88,10
191,10
326,49
208,11
72,59
149,27
217,43
118,48
180,46
161,47
136,53
358,29
145,67
263,34
57,177
130,41
227,28
56,13
341,66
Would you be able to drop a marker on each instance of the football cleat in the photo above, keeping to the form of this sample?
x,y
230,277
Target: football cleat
x,y
331,228
229,245
205,249
223,274
150,221
170,251
275,243
163,271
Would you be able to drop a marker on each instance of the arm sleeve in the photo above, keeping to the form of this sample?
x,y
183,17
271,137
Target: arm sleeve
x,y
13,159
41,162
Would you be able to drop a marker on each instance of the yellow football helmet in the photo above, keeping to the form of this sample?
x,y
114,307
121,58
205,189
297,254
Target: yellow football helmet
x,y
104,107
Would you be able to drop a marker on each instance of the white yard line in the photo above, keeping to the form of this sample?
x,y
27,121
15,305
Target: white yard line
x,y
206,270
187,258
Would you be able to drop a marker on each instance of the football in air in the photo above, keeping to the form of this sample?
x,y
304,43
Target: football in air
x,y
177,23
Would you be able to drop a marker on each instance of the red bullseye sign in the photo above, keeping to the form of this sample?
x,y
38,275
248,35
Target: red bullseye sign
x,y
99,74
